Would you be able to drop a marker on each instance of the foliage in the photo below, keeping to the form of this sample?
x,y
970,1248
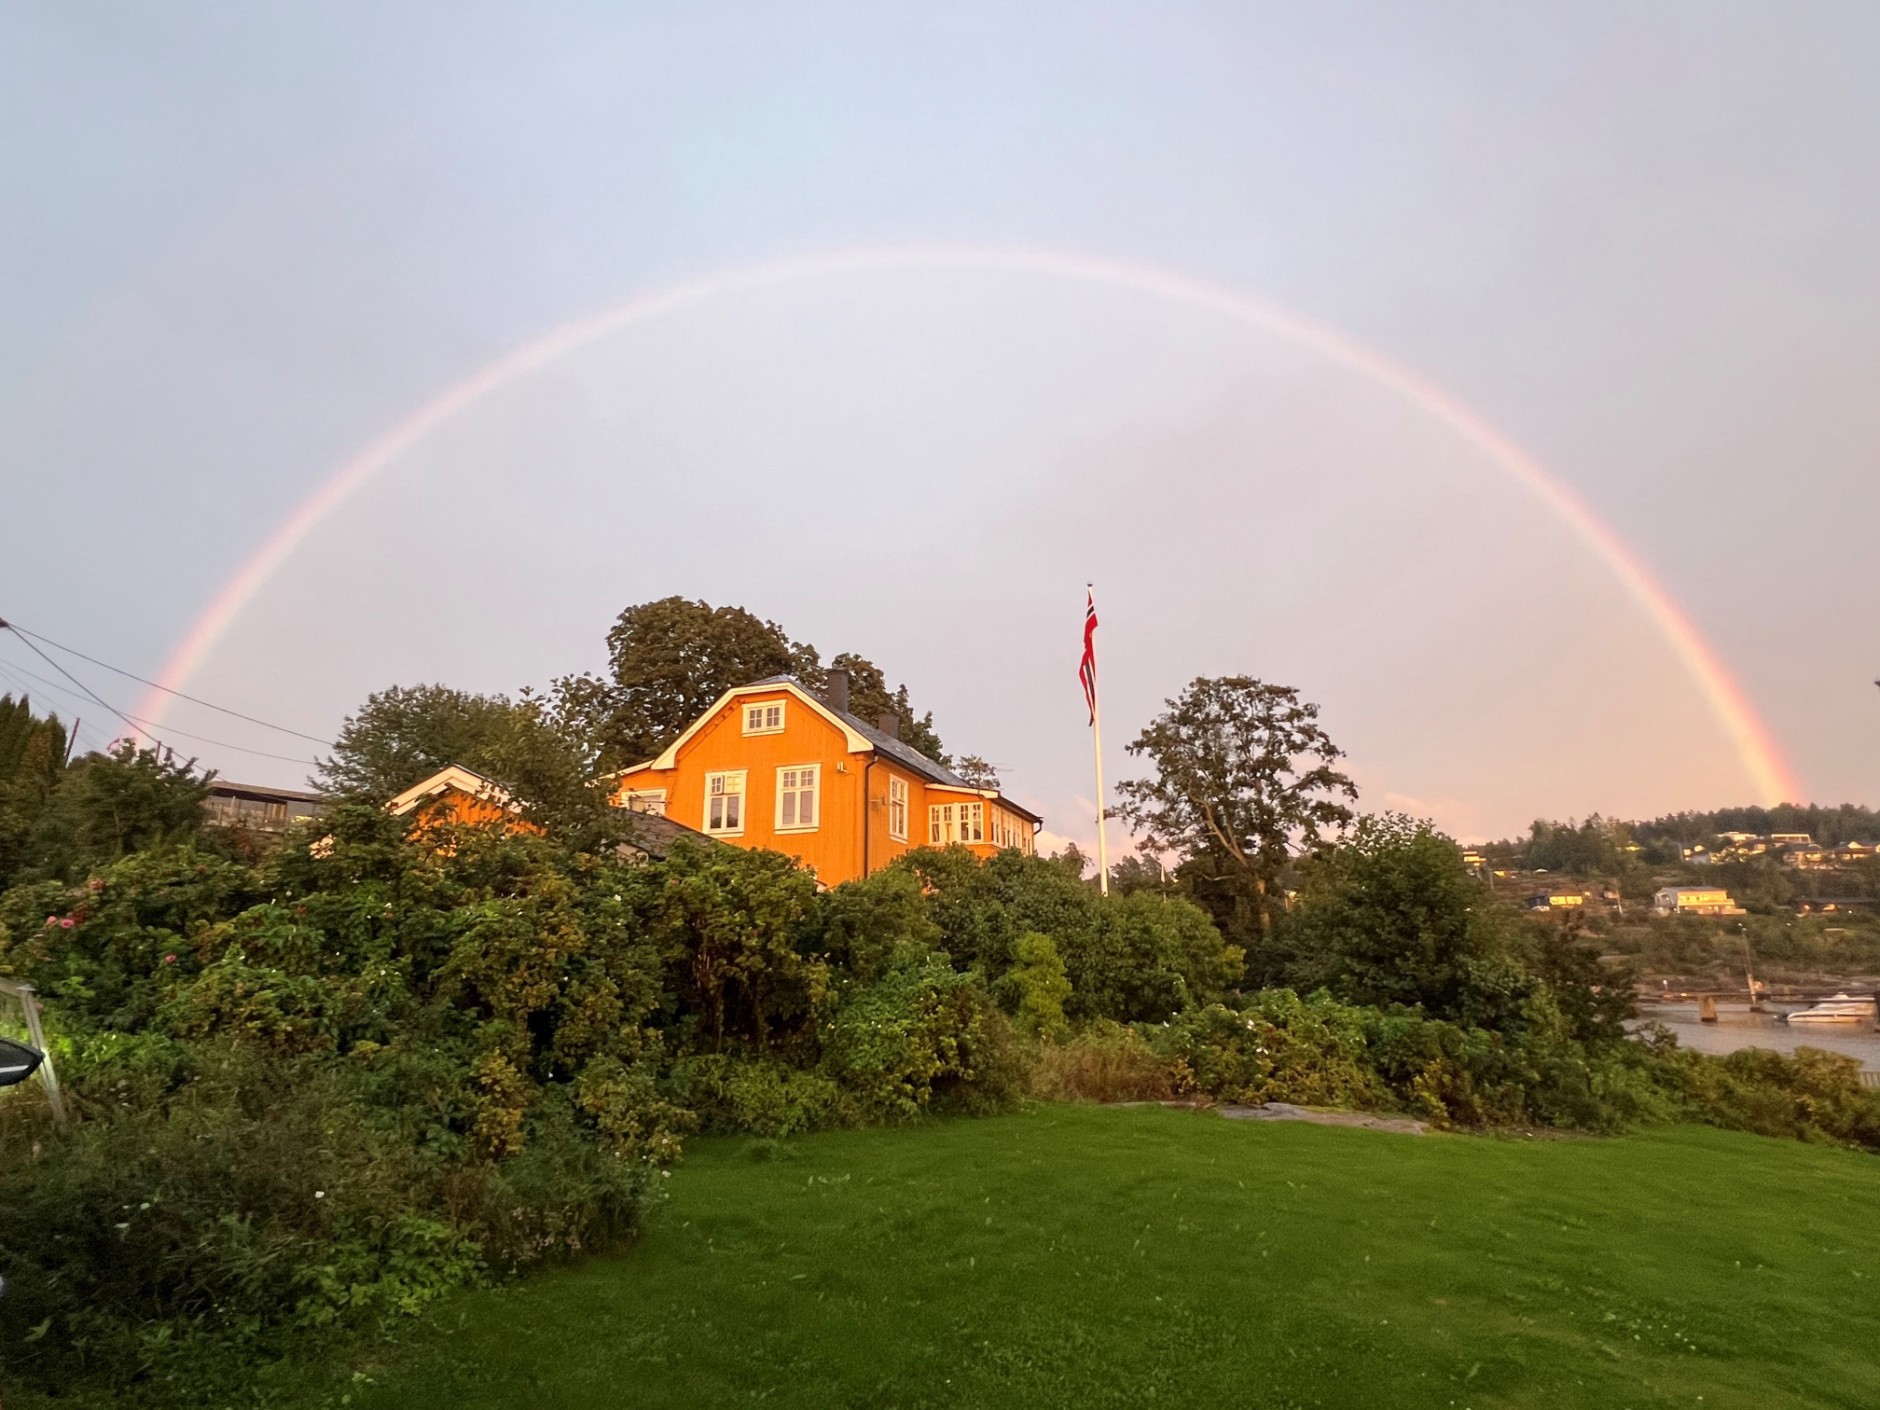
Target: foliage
x,y
1103,1061
333,1083
729,925
1394,917
1243,776
54,824
1038,986
922,1031
1279,1048
406,733
1127,957
671,659
976,771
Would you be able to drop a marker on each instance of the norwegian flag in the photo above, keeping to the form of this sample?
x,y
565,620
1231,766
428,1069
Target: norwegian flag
x,y
1087,669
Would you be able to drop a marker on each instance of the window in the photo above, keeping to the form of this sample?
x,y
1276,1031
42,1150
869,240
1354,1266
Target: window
x,y
796,797
724,802
956,822
646,800
766,718
897,808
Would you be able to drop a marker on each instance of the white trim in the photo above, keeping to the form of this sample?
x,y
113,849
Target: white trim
x,y
741,793
629,798
449,777
763,727
857,743
896,781
948,820
815,797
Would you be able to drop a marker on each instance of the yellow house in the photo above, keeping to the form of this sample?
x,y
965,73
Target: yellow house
x,y
771,765
1694,901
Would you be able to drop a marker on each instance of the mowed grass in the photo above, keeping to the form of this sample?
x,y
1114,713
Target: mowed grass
x,y
1078,1256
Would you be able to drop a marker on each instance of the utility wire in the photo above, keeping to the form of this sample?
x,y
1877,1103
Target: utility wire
x,y
137,724
20,631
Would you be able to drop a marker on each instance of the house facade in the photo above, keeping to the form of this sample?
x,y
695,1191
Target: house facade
x,y
1695,901
772,765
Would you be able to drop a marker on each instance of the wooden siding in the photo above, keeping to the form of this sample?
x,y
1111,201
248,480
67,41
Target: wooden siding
x,y
852,793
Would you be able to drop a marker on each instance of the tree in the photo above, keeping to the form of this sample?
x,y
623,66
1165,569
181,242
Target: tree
x,y
1394,917
1244,775
106,806
407,733
670,660
976,771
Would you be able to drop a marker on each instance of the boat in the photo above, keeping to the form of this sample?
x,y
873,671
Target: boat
x,y
1842,1008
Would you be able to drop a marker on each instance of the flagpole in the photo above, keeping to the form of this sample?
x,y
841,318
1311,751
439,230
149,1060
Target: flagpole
x,y
1096,749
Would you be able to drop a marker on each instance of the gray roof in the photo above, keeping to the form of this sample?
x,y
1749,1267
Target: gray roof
x,y
654,834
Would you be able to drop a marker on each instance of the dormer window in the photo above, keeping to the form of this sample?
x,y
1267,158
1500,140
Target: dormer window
x,y
766,718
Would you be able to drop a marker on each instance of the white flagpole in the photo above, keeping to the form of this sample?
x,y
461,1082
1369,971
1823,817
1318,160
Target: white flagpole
x,y
1096,743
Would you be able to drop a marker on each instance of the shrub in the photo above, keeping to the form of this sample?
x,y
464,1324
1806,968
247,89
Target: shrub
x,y
750,1092
1036,986
1105,1062
1279,1048
920,1032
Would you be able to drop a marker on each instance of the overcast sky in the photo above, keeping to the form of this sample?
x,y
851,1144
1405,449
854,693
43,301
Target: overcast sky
x,y
241,242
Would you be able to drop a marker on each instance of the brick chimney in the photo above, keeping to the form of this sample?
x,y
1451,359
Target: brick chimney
x,y
889,724
836,691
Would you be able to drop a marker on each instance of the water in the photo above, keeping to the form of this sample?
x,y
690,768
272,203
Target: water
x,y
1736,1027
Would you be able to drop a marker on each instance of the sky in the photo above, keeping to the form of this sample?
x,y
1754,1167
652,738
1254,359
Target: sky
x,y
1638,241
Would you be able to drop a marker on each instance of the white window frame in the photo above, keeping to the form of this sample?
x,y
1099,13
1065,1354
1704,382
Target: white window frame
x,y
897,801
976,813
742,793
947,823
760,710
651,801
796,792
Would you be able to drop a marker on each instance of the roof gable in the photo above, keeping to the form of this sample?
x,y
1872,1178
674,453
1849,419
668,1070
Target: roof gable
x,y
452,776
856,742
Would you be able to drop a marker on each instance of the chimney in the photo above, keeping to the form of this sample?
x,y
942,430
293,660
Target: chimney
x,y
889,724
836,691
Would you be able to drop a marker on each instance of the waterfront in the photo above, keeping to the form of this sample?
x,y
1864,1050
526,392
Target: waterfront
x,y
1736,1027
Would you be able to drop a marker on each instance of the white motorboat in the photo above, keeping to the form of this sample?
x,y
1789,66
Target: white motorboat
x,y
1842,1008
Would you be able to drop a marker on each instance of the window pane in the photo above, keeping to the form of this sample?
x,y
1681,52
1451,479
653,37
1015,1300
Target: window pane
x,y
789,810
731,810
717,818
808,814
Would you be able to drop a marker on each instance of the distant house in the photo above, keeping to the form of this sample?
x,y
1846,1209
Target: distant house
x,y
774,765
1556,900
456,796
1694,901
1817,905
257,807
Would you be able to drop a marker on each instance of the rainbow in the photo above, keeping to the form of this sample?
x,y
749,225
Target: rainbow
x,y
1750,738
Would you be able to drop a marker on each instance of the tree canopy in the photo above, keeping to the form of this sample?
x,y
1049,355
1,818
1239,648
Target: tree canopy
x,y
1243,776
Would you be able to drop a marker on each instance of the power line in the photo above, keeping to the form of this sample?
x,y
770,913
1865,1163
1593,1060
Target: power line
x,y
135,721
20,631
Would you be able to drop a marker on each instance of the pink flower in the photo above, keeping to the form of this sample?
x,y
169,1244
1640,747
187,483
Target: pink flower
x,y
169,959
66,924
52,921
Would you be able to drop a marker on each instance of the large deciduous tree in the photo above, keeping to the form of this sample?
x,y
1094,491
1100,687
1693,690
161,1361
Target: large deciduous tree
x,y
406,733
669,660
1244,776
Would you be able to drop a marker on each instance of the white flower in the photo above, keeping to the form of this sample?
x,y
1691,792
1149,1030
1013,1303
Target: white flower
x,y
319,1194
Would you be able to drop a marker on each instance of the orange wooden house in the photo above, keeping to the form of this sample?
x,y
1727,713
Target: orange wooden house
x,y
455,795
771,765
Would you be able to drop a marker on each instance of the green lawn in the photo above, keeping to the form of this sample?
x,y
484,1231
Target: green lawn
x,y
1137,1257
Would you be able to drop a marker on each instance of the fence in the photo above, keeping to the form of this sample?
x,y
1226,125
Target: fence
x,y
36,1035
1869,1077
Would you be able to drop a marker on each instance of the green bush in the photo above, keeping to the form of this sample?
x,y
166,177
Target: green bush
x,y
750,1092
922,1031
1279,1048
